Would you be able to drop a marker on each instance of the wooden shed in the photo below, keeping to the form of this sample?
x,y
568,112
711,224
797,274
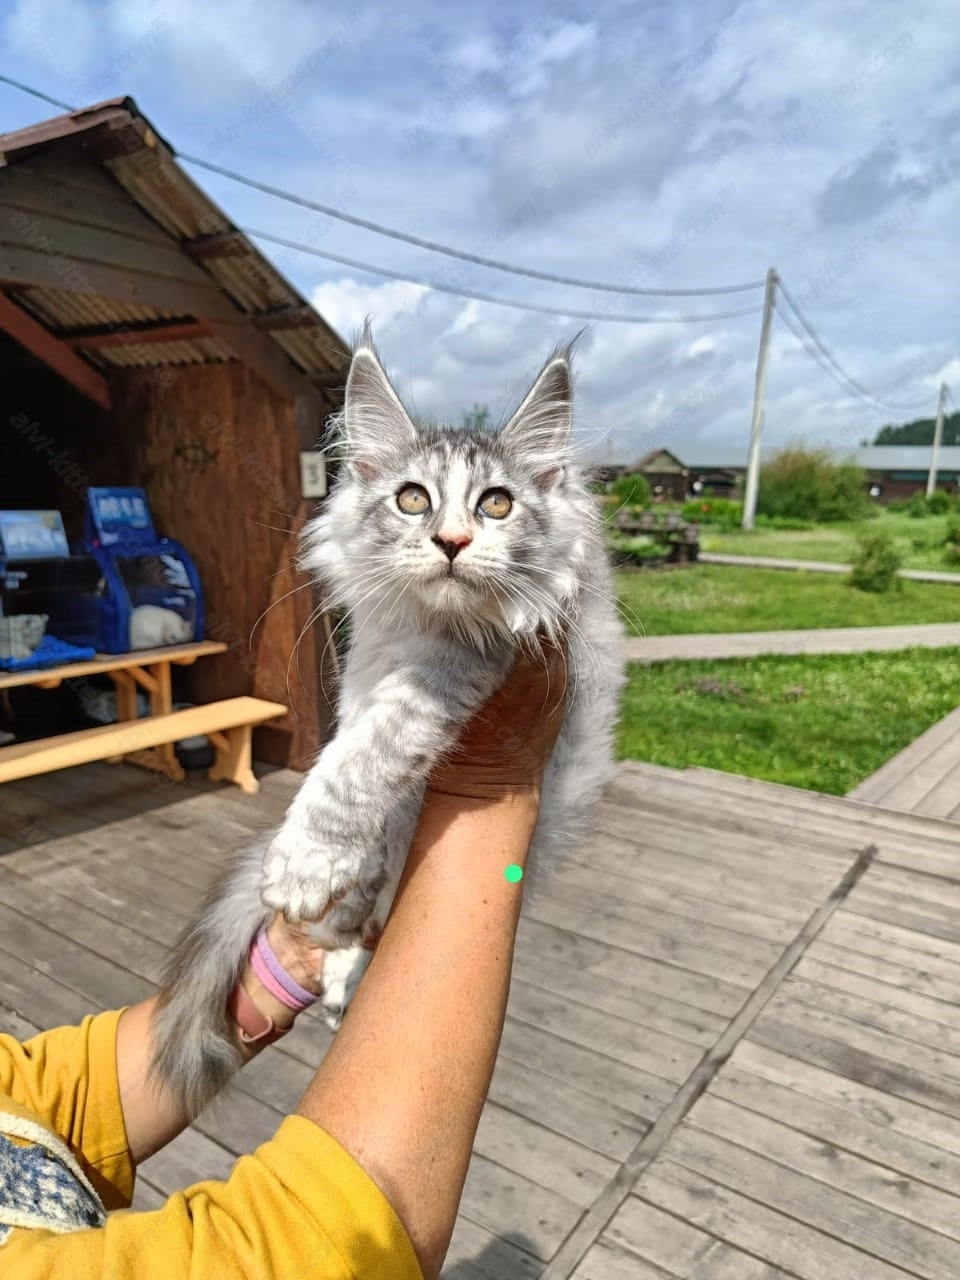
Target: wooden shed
x,y
144,340
665,474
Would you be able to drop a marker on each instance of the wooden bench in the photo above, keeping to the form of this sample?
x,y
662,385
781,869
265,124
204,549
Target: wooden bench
x,y
228,725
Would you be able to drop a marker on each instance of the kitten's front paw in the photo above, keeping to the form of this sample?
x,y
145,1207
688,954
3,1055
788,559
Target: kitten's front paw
x,y
301,880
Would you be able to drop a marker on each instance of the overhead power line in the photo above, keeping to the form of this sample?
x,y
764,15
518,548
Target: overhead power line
x,y
420,242
575,282
565,312
846,379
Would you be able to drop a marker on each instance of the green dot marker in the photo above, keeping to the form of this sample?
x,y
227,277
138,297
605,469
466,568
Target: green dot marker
x,y
514,873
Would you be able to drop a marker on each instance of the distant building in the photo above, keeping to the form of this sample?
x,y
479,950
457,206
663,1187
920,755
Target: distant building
x,y
664,473
893,472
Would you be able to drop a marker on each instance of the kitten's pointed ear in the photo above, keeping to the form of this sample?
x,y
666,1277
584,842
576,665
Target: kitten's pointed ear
x,y
538,434
376,425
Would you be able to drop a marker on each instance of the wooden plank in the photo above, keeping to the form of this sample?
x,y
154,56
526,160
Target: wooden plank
x,y
912,792
118,942
181,654
822,813
602,1124
642,1093
140,336
932,919
878,785
633,911
680,1248
57,355
713,995
611,1262
780,1238
877,1233
868,1178
867,1067
840,1126
744,970
79,244
25,267
677,904
652,1051
98,980
908,976
650,1009
938,1013
941,800
760,825
45,755
664,1129
937,1063
934,1133
547,1158
672,870
478,1254
808,864
509,1204
883,938
92,199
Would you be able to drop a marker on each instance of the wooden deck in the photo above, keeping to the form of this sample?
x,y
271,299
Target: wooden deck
x,y
733,1046
924,777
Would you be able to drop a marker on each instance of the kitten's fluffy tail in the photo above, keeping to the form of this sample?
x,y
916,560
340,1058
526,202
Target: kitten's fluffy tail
x,y
194,1050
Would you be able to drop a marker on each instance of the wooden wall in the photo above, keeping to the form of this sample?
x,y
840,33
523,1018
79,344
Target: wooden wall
x,y
218,453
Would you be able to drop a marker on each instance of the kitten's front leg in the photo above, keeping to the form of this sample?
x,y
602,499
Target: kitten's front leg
x,y
331,843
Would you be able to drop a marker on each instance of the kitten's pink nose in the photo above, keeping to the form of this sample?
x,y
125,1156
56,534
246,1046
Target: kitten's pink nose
x,y
451,544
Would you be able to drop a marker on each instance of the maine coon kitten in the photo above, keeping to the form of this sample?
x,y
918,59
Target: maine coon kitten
x,y
450,549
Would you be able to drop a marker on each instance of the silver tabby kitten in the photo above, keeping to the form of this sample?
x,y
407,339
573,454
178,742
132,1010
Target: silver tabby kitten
x,y
450,549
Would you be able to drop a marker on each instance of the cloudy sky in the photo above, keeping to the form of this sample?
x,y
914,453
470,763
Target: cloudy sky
x,y
681,146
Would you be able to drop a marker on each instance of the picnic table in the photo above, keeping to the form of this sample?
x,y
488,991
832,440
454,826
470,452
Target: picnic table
x,y
148,740
668,528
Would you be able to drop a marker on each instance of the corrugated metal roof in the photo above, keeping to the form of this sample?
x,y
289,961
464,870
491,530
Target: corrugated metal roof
x,y
124,143
878,457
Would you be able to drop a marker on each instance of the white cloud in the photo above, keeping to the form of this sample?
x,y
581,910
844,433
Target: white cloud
x,y
702,346
347,304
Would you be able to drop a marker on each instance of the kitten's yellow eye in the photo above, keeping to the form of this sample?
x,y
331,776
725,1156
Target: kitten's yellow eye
x,y
495,503
413,500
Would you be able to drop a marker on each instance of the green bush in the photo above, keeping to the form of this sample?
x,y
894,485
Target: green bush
x,y
719,511
917,506
810,484
782,522
876,565
631,490
951,542
939,502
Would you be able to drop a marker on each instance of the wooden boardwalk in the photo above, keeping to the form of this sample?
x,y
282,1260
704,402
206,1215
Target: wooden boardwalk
x,y
751,644
924,777
733,1045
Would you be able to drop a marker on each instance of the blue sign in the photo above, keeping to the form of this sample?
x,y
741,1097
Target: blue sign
x,y
120,515
32,535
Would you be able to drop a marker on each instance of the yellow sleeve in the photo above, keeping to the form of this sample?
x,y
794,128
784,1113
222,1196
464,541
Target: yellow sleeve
x,y
299,1206
68,1079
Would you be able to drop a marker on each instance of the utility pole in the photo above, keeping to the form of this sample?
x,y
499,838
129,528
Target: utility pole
x,y
756,425
937,437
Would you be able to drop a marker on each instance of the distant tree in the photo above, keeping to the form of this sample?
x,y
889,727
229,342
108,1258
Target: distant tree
x,y
632,490
920,431
810,484
477,418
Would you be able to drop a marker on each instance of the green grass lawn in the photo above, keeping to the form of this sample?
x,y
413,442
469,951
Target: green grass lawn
x,y
917,540
824,723
707,598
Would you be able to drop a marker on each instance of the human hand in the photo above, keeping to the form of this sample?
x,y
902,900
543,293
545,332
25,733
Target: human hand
x,y
504,748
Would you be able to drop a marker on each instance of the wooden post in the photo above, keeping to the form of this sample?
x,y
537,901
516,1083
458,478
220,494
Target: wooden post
x,y
756,425
937,438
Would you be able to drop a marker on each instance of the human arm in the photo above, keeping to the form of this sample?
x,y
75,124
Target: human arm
x,y
404,1083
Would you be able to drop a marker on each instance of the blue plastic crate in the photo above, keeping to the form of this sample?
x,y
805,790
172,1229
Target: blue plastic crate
x,y
50,652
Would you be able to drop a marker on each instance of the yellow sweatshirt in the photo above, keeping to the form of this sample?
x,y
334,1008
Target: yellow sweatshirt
x,y
299,1208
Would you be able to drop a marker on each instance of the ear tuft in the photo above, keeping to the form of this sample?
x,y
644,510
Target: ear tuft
x,y
376,425
538,434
